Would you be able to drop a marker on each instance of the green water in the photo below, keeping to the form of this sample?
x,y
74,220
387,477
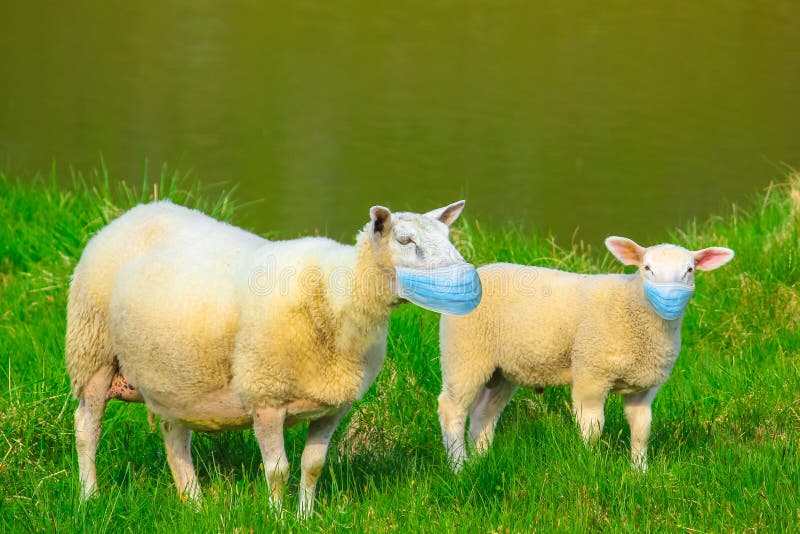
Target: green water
x,y
613,118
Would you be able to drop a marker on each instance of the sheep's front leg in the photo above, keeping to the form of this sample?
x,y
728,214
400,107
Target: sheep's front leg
x,y
588,401
319,437
177,442
639,414
268,428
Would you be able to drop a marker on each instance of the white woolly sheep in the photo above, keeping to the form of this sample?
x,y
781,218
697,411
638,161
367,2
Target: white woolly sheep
x,y
215,328
539,327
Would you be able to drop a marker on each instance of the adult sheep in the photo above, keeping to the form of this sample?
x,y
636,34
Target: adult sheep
x,y
215,328
538,327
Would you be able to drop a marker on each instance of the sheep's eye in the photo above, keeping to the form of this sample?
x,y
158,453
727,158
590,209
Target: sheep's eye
x,y
647,268
404,240
691,270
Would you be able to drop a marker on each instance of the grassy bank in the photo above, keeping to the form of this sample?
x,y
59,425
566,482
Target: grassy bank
x,y
724,449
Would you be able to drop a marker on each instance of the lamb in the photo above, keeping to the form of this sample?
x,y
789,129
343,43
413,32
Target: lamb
x,y
215,329
538,327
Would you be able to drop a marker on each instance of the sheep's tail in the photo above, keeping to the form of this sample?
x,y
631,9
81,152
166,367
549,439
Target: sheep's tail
x,y
88,345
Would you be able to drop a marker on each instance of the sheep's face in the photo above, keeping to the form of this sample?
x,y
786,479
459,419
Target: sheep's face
x,y
417,241
429,271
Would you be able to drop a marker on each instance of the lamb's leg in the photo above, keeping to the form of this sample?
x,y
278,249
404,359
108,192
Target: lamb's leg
x,y
268,428
588,400
88,419
486,411
319,436
453,409
639,414
177,440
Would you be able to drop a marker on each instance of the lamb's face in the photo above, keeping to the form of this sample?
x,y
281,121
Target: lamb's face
x,y
668,271
667,263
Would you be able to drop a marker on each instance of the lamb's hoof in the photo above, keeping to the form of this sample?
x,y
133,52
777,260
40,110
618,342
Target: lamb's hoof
x,y
456,464
193,499
305,512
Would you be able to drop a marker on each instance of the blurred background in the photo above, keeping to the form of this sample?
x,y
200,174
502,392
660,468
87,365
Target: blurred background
x,y
579,118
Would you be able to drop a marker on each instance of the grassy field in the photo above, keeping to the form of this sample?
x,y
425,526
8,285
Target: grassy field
x,y
724,449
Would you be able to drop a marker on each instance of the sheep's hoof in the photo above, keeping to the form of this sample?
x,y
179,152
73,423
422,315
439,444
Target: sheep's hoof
x,y
86,494
276,507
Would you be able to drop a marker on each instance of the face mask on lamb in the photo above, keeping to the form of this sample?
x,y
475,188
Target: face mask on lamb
x,y
669,300
668,271
430,272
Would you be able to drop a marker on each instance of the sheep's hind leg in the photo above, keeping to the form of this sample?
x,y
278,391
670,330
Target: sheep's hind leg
x,y
639,414
177,441
268,427
88,421
317,441
486,411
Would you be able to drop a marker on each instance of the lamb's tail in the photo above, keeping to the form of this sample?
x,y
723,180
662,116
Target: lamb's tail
x,y
88,344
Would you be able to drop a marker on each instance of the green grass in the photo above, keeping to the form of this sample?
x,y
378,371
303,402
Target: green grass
x,y
724,449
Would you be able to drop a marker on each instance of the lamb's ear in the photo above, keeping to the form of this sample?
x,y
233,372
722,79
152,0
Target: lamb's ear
x,y
710,258
380,217
625,250
448,214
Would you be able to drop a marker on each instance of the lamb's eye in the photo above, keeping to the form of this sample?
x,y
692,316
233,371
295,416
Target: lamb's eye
x,y
647,268
404,240
691,270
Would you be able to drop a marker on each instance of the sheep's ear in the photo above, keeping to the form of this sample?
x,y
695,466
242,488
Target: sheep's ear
x,y
448,214
710,258
380,217
625,250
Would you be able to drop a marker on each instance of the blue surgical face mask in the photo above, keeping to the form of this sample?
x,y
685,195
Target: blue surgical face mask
x,y
669,299
454,290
